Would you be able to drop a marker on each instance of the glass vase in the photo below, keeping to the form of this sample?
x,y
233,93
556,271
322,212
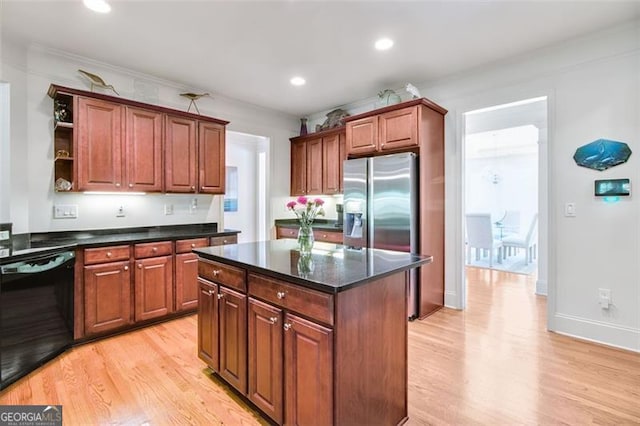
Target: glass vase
x,y
305,239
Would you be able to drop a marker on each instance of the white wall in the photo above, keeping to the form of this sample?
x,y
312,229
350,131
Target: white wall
x,y
593,85
31,69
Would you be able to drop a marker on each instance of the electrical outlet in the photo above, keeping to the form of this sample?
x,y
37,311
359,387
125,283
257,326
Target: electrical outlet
x,y
168,209
570,210
194,205
65,211
604,297
120,212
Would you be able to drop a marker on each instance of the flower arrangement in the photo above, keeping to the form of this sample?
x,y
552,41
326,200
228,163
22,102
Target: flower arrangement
x,y
306,211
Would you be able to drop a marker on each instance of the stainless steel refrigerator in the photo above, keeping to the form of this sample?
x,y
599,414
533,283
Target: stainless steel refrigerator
x,y
380,208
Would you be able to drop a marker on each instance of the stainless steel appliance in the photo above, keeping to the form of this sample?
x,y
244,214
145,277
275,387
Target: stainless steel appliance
x,y
381,208
36,312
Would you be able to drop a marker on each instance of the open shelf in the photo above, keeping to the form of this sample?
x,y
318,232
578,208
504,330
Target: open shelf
x,y
63,106
63,125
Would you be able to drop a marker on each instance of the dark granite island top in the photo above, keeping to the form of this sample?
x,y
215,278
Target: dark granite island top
x,y
321,341
331,268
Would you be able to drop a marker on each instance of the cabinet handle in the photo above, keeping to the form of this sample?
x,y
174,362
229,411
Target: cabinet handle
x,y
154,249
220,296
109,254
117,185
193,188
273,320
126,268
139,265
130,185
281,294
193,245
210,292
287,326
216,272
324,235
224,241
202,187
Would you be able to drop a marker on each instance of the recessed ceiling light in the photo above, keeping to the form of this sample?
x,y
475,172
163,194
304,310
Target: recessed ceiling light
x,y
298,81
384,44
100,6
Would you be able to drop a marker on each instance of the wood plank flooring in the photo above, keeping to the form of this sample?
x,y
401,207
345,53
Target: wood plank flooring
x,y
492,364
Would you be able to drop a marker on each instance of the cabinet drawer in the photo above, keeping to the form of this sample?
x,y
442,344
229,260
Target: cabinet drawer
x,y
327,236
106,254
185,246
222,274
310,303
224,240
160,248
286,232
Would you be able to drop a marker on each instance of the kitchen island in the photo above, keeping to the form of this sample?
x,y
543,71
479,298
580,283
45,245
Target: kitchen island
x,y
317,339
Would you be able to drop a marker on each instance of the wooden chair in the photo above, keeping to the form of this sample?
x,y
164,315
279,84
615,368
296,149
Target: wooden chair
x,y
480,236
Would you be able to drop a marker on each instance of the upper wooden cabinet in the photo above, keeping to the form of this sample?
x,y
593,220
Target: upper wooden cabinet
x,y
106,143
316,163
391,129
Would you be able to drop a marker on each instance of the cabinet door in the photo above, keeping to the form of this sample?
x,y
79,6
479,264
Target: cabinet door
x,y
107,297
208,319
308,391
331,164
99,154
265,358
211,155
398,129
143,158
154,287
314,166
233,338
298,168
180,154
186,281
362,136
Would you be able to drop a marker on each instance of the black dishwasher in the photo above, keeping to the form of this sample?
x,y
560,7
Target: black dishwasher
x,y
36,312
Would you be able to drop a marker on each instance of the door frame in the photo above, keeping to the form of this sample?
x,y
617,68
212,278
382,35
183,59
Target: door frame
x,y
457,296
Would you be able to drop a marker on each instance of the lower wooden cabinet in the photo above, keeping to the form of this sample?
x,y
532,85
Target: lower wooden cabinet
x,y
107,296
186,282
153,287
280,340
319,234
222,332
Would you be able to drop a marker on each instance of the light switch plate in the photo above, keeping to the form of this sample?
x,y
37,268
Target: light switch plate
x,y
65,211
570,210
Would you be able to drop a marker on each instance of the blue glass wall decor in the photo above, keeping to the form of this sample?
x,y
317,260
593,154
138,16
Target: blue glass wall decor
x,y
602,154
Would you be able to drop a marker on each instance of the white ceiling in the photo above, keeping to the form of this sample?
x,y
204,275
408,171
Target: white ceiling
x,y
250,50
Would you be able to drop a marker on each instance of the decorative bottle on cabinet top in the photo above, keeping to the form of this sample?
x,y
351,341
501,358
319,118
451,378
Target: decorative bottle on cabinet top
x,y
303,126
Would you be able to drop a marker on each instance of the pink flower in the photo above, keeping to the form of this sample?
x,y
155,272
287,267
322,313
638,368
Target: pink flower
x,y
318,201
302,199
291,205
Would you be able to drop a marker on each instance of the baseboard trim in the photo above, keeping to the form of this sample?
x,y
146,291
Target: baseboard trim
x,y
451,300
607,334
542,287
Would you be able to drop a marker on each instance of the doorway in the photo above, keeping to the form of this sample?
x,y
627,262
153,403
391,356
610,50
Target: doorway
x,y
504,187
245,201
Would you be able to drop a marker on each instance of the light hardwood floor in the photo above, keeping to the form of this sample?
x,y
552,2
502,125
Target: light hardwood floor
x,y
491,364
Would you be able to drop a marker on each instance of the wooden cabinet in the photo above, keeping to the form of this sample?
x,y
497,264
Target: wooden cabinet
x,y
208,324
180,154
266,353
153,287
390,131
309,391
107,296
417,126
186,277
224,240
211,158
316,163
298,167
106,143
319,234
143,150
99,153
222,331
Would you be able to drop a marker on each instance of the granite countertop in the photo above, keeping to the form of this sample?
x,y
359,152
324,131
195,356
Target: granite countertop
x,y
332,268
328,224
48,242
